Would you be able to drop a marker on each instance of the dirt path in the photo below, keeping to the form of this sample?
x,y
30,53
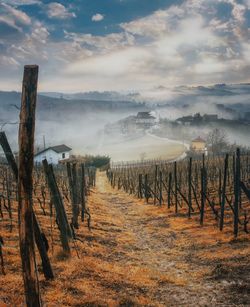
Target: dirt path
x,y
157,259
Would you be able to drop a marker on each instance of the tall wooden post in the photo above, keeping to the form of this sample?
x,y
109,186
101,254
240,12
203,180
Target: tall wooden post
x,y
223,200
25,185
236,192
175,187
169,189
219,190
190,186
39,236
160,188
83,191
155,183
203,194
8,153
75,198
56,198
146,187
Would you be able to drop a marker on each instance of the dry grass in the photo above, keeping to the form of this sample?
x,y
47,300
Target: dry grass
x,y
136,255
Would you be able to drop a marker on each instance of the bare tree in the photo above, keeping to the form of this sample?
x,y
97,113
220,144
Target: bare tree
x,y
217,140
142,156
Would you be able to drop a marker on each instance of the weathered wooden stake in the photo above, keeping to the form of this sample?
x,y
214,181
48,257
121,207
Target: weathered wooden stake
x,y
169,189
202,195
223,198
25,185
83,191
237,192
146,187
39,236
189,187
8,153
60,211
1,256
75,198
175,187
155,183
160,188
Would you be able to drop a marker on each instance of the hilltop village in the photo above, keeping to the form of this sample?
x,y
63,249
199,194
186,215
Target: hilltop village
x,y
195,130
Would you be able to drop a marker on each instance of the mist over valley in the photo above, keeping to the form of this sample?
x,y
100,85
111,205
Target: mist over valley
x,y
80,120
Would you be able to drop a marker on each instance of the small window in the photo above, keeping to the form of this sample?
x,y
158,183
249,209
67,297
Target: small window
x,y
63,155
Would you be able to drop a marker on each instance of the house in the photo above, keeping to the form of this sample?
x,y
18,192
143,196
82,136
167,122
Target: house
x,y
210,117
145,119
185,120
198,145
53,154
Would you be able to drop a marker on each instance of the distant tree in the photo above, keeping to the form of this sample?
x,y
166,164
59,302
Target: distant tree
x,y
217,141
96,161
143,156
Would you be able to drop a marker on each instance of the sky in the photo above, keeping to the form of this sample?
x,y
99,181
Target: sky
x,y
124,45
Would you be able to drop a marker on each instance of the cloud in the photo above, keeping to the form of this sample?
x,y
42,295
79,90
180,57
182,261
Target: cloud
x,y
97,17
154,25
100,44
17,15
59,11
21,2
8,61
12,24
247,3
8,26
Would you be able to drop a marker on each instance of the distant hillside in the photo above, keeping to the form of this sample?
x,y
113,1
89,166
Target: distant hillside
x,y
51,107
103,96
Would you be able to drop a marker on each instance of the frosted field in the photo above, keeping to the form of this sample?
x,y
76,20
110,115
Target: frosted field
x,y
146,147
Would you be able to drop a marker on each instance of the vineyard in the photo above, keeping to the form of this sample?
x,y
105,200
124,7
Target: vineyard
x,y
71,235
213,187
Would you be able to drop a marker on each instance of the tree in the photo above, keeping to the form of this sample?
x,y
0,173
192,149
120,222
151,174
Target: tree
x,y
142,156
217,140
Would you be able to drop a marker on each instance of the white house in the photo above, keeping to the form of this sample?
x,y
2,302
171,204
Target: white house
x,y
53,154
145,118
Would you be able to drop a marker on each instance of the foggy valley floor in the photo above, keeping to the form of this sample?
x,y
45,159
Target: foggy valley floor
x,y
146,146
136,254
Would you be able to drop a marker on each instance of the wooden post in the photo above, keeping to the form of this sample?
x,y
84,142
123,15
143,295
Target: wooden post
x,y
140,186
8,153
155,183
237,192
68,228
39,236
223,193
146,187
60,211
190,186
169,189
25,185
1,256
8,199
175,187
219,190
75,203
203,196
83,191
41,245
160,188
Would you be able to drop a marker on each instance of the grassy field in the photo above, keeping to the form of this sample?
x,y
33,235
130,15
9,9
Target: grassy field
x,y
147,146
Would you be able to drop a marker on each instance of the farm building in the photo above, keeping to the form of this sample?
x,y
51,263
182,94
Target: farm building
x,y
198,145
53,154
145,119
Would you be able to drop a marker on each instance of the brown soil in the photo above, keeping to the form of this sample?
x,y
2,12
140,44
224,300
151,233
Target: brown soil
x,y
137,254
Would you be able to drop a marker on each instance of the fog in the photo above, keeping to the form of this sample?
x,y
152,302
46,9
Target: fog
x,y
80,120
